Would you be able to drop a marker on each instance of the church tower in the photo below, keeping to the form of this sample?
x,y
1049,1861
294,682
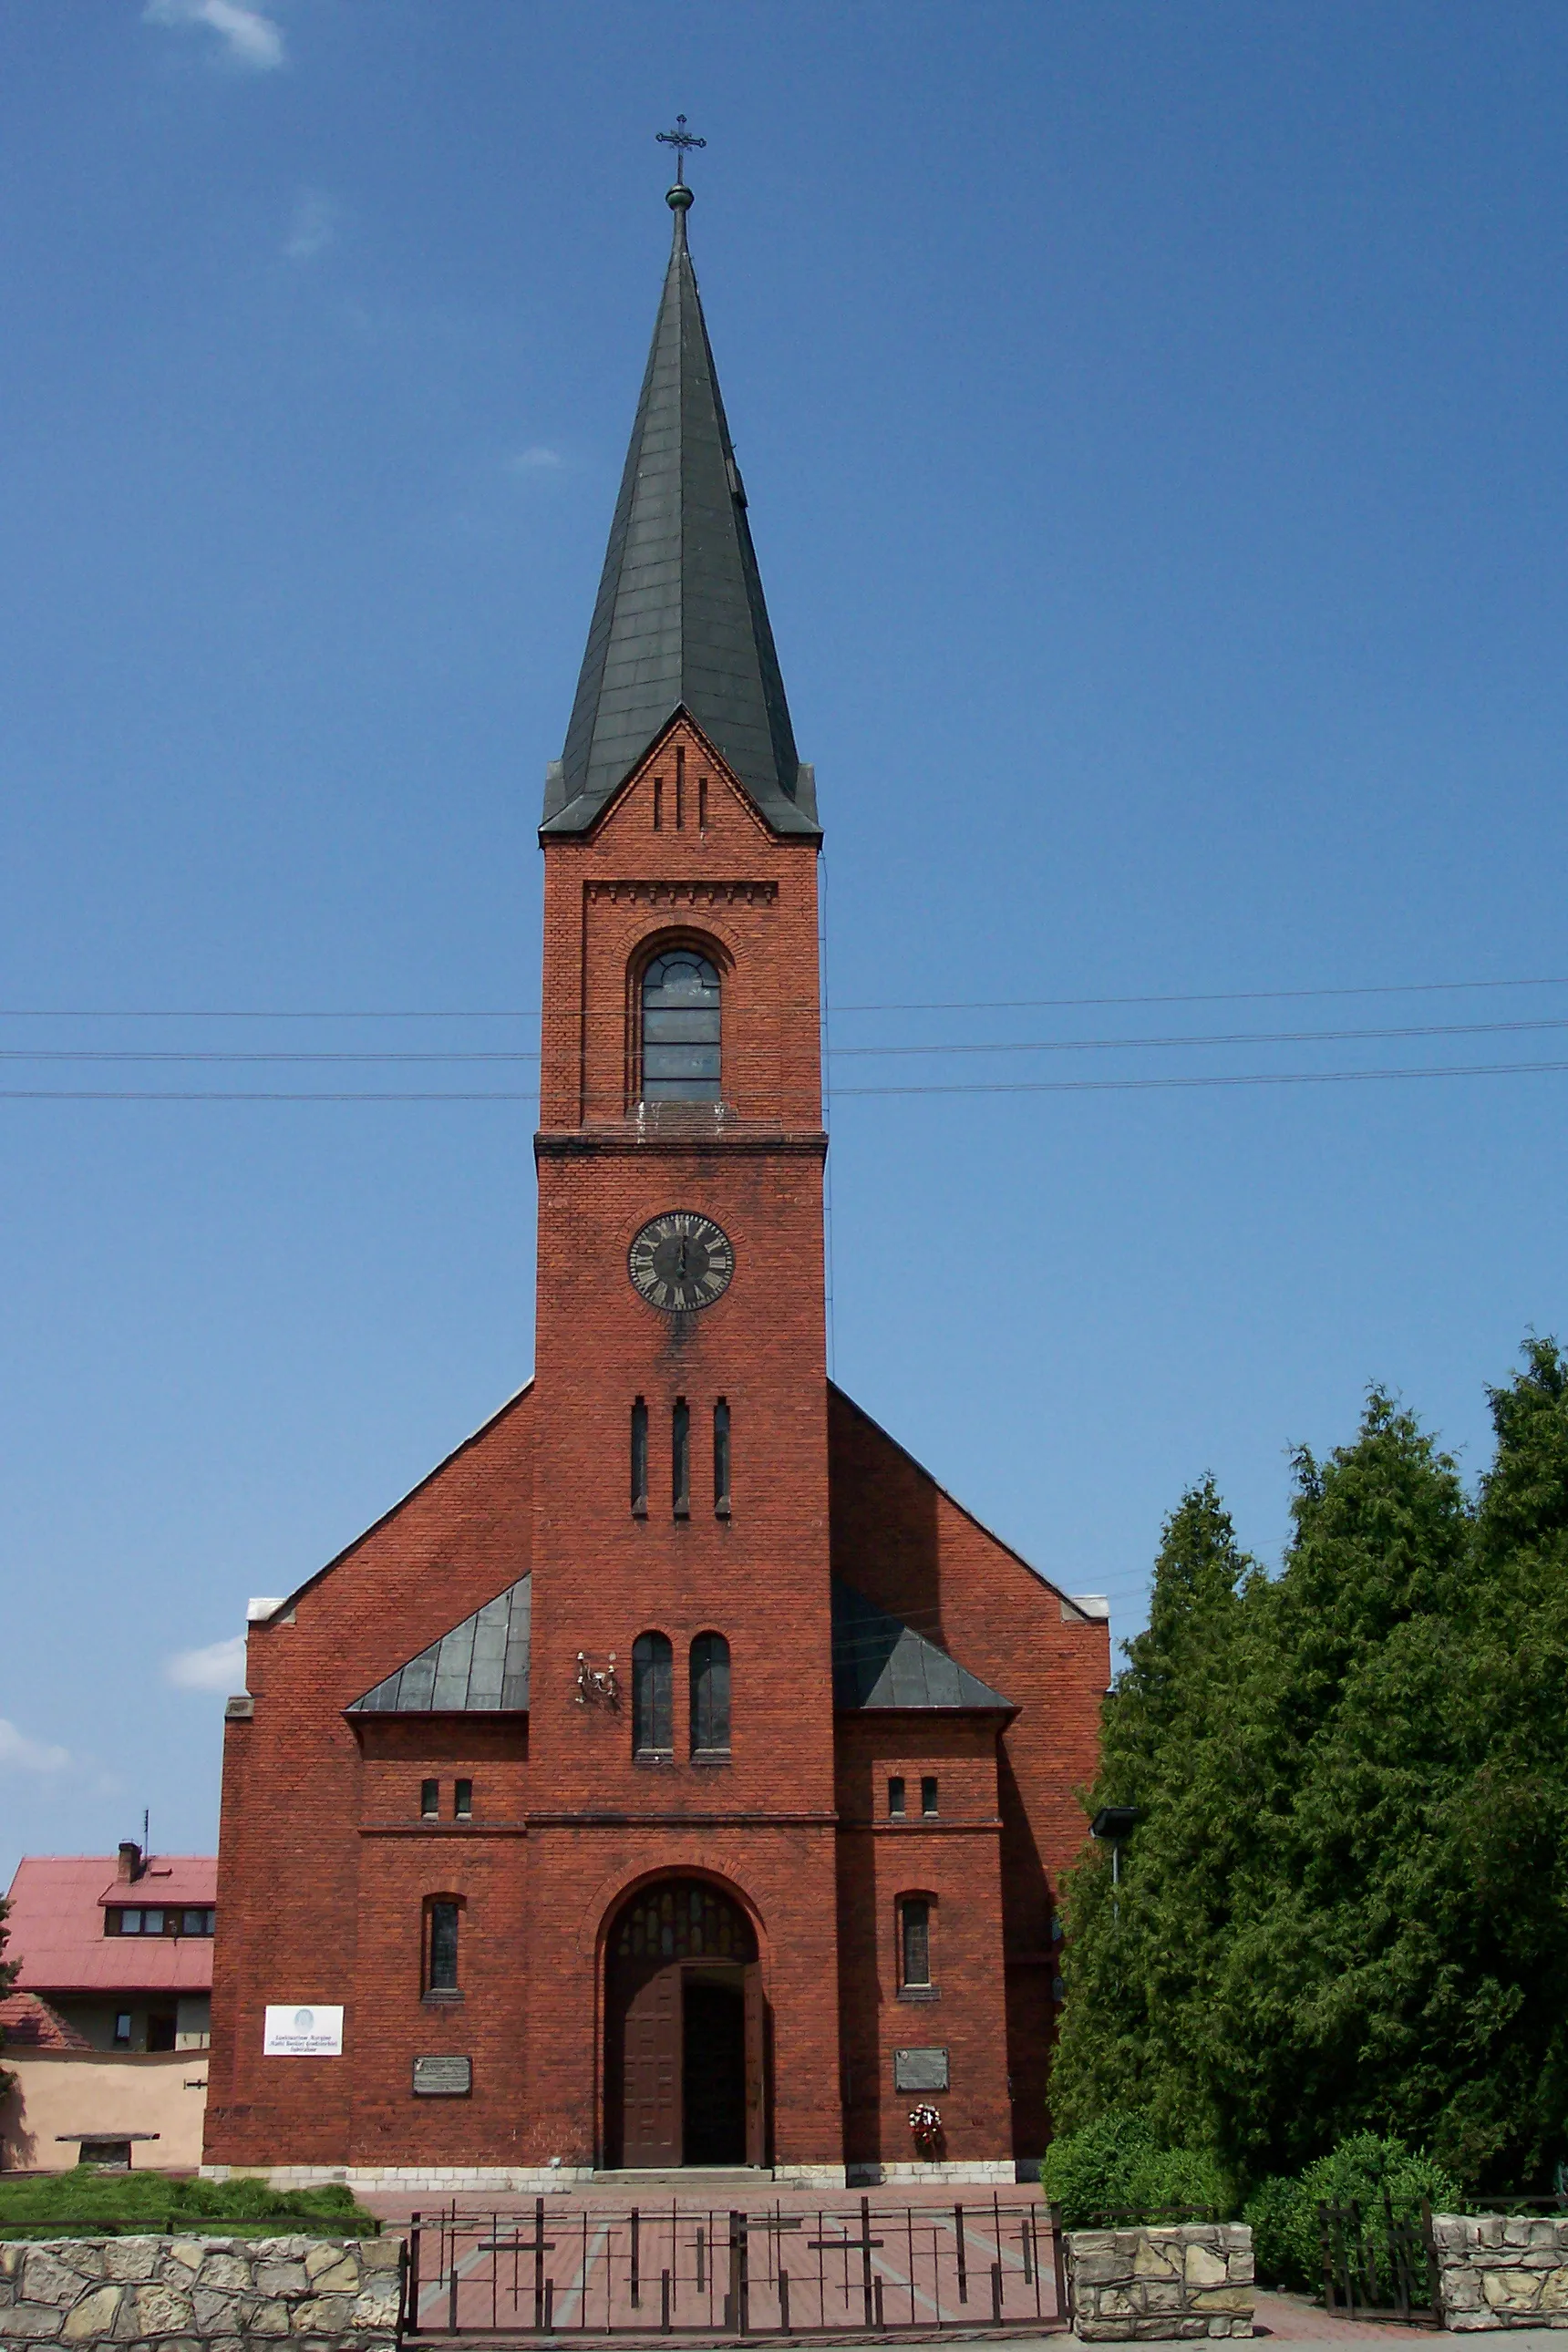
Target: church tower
x,y
677,1777
680,1389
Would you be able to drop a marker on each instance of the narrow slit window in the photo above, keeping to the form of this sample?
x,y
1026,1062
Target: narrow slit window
x,y
928,1797
430,1800
652,1695
659,805
721,1459
682,1010
680,1458
710,1696
639,1458
702,804
123,2028
680,789
462,1800
441,1968
915,1921
896,1798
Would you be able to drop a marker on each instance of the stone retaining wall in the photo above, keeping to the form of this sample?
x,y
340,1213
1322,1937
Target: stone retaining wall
x,y
222,2294
1501,2270
1137,2284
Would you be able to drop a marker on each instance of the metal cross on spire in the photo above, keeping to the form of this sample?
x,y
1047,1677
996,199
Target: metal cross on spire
x,y
682,141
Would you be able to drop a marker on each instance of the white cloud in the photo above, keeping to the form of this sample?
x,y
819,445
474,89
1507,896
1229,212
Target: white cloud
x,y
219,1667
537,460
312,225
249,38
29,1755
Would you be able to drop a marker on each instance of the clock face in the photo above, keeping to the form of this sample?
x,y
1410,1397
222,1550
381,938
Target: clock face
x,y
681,1261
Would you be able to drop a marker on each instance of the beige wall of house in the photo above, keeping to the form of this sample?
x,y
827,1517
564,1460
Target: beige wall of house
x,y
110,2095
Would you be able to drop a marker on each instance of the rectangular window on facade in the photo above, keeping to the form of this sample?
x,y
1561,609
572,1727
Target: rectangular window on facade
x,y
112,1924
151,1923
896,1799
430,1799
721,1459
915,1923
196,1923
658,803
122,2029
462,1800
680,1458
441,1964
639,1459
928,1797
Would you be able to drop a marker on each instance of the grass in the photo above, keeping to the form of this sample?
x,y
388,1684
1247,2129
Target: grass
x,y
88,2204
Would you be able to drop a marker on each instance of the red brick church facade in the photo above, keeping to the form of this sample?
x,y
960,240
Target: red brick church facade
x,y
677,1775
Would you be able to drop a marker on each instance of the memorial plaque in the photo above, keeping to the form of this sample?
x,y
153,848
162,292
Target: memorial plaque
x,y
443,2078
919,2070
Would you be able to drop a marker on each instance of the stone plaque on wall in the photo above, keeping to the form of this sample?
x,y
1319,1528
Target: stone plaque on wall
x,y
443,2078
919,2070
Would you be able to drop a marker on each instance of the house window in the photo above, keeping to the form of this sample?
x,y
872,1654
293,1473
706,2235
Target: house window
x,y
122,2029
198,1923
639,1459
721,1459
914,1943
710,1696
652,1699
896,1798
462,1800
441,1945
151,1923
160,2030
928,1797
680,1458
430,1800
681,1028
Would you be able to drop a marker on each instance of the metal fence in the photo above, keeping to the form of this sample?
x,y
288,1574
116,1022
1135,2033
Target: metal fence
x,y
1378,2267
653,2270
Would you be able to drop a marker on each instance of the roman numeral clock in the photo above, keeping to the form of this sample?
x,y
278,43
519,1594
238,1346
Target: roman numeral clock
x,y
681,1261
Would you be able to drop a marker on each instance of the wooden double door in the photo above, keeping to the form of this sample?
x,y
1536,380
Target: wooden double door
x,y
685,2041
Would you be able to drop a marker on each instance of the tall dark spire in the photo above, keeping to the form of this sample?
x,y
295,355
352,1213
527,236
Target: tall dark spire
x,y
680,620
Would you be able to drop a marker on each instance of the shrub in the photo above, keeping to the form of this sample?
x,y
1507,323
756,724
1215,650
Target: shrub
x,y
1116,2167
67,2202
1284,2214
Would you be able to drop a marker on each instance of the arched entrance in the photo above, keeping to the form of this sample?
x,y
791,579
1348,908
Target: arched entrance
x,y
683,2030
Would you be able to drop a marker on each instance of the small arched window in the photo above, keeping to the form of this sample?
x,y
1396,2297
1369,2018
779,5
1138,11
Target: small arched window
x,y
710,1696
652,1713
680,1025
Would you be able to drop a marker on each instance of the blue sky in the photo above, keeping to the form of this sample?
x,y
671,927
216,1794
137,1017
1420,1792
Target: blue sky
x,y
1152,420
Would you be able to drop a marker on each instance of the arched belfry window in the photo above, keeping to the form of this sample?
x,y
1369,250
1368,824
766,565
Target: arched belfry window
x,y
680,1021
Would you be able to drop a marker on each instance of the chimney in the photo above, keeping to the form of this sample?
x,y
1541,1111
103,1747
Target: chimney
x,y
129,1866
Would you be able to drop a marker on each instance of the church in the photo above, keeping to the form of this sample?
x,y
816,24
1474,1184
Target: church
x,y
678,1777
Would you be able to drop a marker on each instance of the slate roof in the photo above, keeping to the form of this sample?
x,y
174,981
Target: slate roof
x,y
480,1667
881,1662
56,1926
680,621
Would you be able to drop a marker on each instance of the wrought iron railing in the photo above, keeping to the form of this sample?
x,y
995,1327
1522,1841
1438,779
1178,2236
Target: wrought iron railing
x,y
659,2270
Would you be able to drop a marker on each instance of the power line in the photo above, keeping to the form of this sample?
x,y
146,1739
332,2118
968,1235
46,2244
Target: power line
x,y
835,1052
997,1086
976,1005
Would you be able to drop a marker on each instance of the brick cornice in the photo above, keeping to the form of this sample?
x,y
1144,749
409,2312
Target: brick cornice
x,y
626,1140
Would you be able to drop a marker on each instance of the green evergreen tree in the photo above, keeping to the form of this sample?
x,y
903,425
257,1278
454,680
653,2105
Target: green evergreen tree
x,y
1344,1906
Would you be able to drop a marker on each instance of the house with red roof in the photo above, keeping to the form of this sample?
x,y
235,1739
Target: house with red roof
x,y
106,2029
119,1946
